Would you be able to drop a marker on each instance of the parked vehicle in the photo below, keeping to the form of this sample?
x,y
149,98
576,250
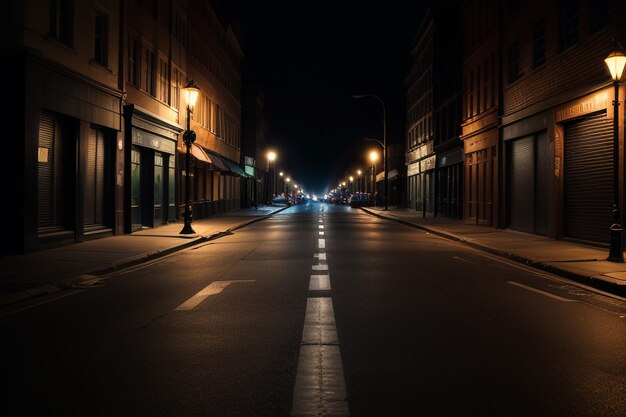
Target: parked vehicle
x,y
360,200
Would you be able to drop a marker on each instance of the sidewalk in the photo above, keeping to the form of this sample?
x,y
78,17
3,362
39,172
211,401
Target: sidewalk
x,y
585,264
39,273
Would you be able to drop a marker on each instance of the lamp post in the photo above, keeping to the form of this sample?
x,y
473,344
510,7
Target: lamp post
x,y
271,157
281,174
373,159
358,180
616,62
351,190
384,144
190,92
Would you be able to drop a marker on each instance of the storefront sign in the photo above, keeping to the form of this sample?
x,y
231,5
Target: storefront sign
x,y
413,169
150,140
579,108
428,163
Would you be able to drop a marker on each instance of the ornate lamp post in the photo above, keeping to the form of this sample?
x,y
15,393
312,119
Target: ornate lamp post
x,y
384,144
190,92
616,62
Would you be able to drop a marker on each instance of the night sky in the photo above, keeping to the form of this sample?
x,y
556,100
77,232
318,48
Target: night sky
x,y
310,58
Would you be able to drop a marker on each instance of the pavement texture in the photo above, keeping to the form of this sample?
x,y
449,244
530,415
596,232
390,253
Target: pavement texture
x,y
575,261
24,277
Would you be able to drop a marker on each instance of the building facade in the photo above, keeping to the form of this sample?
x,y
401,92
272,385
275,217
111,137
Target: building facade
x,y
557,122
99,111
420,151
434,154
480,111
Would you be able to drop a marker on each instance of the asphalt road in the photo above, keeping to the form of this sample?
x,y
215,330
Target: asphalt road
x,y
424,327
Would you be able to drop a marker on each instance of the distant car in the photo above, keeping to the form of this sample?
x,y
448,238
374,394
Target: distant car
x,y
359,200
281,200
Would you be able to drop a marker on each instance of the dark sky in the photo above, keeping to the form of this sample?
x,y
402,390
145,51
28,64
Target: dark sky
x,y
310,58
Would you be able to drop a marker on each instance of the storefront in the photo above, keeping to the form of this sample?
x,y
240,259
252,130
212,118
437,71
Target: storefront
x,y
583,158
529,175
150,198
480,178
448,183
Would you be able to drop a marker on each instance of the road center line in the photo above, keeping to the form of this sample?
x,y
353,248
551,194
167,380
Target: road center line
x,y
538,291
321,243
214,288
319,283
321,256
320,267
320,385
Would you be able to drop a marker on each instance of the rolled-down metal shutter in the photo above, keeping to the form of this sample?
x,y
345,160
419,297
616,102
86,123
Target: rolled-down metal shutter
x,y
543,185
588,171
93,204
522,182
50,185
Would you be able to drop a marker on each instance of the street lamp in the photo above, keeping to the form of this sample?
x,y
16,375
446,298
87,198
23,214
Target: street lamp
x,y
616,62
271,157
386,197
351,190
373,159
358,181
190,92
282,180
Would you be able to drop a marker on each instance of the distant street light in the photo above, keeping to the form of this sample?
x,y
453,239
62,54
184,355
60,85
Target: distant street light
x,y
271,157
373,159
358,182
616,62
385,196
190,92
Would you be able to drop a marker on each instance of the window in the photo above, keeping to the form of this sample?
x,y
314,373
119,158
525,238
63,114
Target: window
x,y
149,72
162,84
134,60
101,39
177,84
568,24
515,70
539,43
62,21
598,14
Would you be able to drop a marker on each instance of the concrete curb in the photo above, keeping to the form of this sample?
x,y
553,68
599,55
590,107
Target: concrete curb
x,y
69,283
594,281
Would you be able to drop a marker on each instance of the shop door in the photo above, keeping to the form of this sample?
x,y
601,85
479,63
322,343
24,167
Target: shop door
x,y
588,178
522,181
135,188
94,186
159,186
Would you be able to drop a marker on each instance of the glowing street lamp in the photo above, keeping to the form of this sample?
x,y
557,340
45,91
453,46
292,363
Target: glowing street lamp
x,y
373,158
271,157
616,62
358,181
190,92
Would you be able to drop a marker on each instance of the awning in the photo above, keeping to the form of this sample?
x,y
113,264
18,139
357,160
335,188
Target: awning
x,y
218,162
200,154
235,168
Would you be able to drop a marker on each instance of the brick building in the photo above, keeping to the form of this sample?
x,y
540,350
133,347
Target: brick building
x,y
557,117
480,107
